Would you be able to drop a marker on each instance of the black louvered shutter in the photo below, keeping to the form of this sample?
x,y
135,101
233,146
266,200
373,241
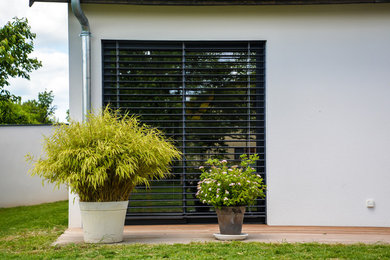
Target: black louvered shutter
x,y
207,96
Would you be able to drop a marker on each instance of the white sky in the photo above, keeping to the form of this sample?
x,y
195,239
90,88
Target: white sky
x,y
49,22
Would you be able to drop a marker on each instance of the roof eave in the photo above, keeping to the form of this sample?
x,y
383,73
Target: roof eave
x,y
218,2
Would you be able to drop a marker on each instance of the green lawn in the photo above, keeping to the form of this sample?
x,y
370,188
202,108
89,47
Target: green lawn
x,y
27,232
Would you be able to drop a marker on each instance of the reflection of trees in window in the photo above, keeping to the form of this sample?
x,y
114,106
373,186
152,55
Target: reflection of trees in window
x,y
208,97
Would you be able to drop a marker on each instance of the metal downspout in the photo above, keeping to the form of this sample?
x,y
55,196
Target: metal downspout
x,y
86,57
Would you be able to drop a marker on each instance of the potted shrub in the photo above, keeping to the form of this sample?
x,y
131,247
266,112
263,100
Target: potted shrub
x,y
102,160
230,190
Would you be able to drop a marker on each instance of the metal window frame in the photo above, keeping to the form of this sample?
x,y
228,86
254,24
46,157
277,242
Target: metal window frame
x,y
185,217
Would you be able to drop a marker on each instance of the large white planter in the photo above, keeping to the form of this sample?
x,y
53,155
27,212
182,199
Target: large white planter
x,y
103,222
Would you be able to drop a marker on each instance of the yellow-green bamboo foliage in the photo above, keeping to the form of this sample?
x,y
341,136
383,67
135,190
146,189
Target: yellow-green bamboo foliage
x,y
104,158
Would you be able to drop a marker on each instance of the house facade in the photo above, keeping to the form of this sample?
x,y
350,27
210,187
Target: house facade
x,y
306,86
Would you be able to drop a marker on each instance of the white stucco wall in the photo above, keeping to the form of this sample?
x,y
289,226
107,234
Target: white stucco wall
x,y
17,187
328,92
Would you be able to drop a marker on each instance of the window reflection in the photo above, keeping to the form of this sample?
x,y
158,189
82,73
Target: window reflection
x,y
207,97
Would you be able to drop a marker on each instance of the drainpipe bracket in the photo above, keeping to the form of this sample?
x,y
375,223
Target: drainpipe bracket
x,y
85,33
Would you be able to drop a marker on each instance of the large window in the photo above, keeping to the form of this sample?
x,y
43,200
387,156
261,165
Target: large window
x,y
206,96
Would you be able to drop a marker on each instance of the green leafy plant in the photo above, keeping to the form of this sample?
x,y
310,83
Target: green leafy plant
x,y
221,185
16,44
14,111
104,158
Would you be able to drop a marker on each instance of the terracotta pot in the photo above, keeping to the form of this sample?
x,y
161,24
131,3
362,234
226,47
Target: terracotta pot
x,y
230,220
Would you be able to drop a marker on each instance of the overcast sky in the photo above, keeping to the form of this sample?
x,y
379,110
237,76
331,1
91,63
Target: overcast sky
x,y
49,22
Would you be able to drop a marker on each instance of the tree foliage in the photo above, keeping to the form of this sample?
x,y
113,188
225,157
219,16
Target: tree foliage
x,y
41,111
16,43
104,158
42,108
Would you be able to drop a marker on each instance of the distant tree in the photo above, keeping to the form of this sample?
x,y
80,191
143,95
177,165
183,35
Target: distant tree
x,y
41,111
42,108
67,116
16,43
11,112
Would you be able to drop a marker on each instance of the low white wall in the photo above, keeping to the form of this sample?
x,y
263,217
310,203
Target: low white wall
x,y
327,83
17,187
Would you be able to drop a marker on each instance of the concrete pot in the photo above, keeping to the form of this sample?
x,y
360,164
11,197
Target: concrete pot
x,y
230,220
103,222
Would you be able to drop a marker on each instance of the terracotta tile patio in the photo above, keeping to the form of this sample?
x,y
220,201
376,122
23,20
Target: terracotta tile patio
x,y
171,234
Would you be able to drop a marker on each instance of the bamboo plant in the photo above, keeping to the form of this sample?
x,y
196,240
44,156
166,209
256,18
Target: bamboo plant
x,y
105,157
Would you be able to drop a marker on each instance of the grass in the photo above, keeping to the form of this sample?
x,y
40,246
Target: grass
x,y
28,232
